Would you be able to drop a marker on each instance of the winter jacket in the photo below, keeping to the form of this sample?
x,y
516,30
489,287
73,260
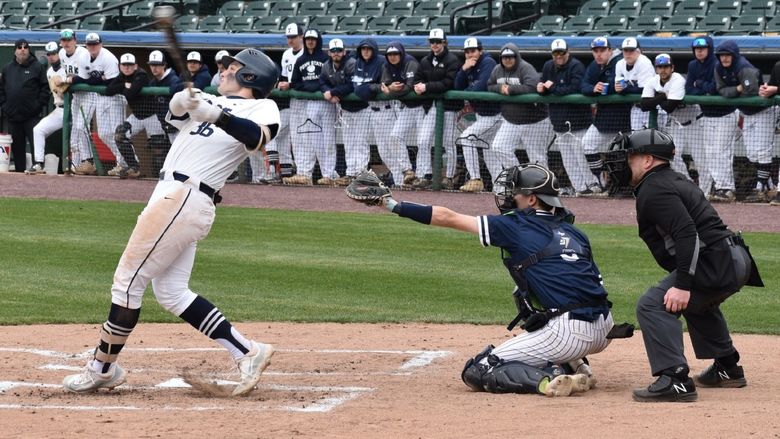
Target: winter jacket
x,y
567,79
701,81
24,89
438,73
476,79
339,82
740,72
610,118
142,106
173,82
368,73
308,67
200,80
405,71
522,79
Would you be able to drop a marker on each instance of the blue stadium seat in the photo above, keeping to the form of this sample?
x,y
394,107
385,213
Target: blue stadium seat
x,y
664,8
680,24
241,23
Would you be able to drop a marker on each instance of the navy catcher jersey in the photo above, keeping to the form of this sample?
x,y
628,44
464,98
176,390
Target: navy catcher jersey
x,y
556,281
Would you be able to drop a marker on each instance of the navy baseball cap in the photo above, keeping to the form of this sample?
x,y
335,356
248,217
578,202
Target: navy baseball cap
x,y
700,42
599,42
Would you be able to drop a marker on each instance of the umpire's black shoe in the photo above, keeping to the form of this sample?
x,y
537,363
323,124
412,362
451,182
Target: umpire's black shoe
x,y
718,376
668,389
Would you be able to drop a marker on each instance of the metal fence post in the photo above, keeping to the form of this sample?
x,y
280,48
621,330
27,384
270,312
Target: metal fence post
x,y
438,140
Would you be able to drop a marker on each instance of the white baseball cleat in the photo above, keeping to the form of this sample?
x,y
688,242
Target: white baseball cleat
x,y
559,386
90,381
251,366
582,382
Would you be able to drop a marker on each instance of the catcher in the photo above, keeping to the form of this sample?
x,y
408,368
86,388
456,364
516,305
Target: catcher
x,y
559,293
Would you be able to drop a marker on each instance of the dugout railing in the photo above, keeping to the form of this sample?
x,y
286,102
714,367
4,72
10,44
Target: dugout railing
x,y
460,110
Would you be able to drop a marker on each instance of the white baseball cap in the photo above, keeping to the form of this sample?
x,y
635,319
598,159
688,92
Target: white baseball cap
x,y
472,43
93,38
311,33
194,56
437,34
630,44
127,58
52,47
293,30
335,45
221,54
559,45
156,58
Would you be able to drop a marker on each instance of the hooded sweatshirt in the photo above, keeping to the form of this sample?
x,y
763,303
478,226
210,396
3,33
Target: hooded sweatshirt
x,y
609,118
338,81
476,79
308,67
522,79
567,79
740,72
405,71
438,73
368,73
200,80
701,81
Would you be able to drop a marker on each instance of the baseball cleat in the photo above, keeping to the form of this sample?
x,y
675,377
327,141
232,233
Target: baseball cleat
x,y
91,381
582,382
559,386
473,185
717,376
251,366
667,389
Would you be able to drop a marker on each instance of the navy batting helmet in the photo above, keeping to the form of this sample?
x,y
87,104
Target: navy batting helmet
x,y
258,71
526,179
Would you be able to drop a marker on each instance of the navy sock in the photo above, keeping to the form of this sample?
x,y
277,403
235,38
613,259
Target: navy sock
x,y
206,318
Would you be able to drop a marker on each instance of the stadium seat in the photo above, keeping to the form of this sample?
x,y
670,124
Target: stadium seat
x,y
342,8
383,24
429,8
414,25
400,8
241,23
767,8
93,22
140,9
547,24
370,9
598,8
270,24
692,7
38,8
611,24
15,8
40,20
64,8
646,24
233,8
258,9
186,23
284,9
89,6
451,5
324,23
772,27
714,24
680,24
516,9
481,9
664,8
731,8
213,23
17,22
746,25
312,8
629,8
442,22
578,24
352,25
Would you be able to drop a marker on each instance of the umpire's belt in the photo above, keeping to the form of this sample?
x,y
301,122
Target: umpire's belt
x,y
386,107
178,176
699,116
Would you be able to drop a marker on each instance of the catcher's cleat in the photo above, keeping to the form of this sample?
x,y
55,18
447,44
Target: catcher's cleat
x,y
667,389
251,366
582,382
559,386
90,381
717,376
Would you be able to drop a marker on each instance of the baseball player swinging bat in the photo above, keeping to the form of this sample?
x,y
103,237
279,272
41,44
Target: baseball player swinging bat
x,y
164,16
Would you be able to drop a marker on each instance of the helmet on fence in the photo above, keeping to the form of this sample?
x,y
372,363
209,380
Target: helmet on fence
x,y
526,179
258,71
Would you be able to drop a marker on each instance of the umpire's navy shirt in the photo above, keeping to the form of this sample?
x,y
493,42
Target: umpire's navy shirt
x,y
556,281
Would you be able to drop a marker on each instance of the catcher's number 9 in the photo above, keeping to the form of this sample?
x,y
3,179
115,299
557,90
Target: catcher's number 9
x,y
368,189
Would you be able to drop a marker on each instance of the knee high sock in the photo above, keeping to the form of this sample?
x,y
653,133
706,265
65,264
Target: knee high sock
x,y
762,175
113,336
206,318
595,164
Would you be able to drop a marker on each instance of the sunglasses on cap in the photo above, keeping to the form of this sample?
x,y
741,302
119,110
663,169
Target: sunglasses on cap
x,y
558,52
435,41
336,50
700,42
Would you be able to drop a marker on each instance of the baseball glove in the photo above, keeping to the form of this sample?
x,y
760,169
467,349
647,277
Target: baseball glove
x,y
368,189
57,85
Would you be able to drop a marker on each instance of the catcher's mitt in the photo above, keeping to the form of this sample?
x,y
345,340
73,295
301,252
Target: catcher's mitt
x,y
368,189
57,85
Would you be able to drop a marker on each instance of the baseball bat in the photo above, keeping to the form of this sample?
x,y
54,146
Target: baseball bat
x,y
165,18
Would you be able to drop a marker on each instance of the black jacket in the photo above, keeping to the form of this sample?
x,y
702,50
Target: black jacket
x,y
339,82
682,230
567,80
143,106
24,90
172,81
438,73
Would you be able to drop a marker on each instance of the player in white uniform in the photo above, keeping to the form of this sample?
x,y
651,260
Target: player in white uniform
x,y
217,133
667,90
53,121
100,68
72,57
279,151
632,73
220,67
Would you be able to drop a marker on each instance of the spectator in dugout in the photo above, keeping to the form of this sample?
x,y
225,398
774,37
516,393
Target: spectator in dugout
x,y
220,67
767,91
197,73
162,76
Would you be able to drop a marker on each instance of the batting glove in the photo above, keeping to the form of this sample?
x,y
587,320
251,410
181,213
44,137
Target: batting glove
x,y
204,111
180,102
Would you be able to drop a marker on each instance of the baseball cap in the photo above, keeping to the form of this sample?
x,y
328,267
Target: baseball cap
x,y
52,47
437,35
472,43
392,49
93,38
630,44
293,30
67,34
508,52
599,42
559,45
336,45
311,33
194,56
700,42
127,58
156,58
663,60
221,54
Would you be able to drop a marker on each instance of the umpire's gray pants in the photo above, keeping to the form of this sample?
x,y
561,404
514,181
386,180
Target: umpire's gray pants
x,y
662,330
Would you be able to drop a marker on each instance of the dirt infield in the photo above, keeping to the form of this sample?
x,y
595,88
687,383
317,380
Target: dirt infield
x,y
355,380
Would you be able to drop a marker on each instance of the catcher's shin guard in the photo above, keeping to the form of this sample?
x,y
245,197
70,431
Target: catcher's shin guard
x,y
514,377
125,145
473,371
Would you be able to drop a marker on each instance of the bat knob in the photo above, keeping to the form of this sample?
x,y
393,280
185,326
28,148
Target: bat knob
x,y
163,12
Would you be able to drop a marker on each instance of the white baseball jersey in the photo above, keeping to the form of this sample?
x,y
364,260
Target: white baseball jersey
x,y
674,90
640,75
204,151
105,65
288,62
71,65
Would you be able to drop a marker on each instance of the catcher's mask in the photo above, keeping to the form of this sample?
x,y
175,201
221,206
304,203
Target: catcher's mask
x,y
526,179
650,141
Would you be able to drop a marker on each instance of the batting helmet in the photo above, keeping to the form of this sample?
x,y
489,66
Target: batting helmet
x,y
258,72
526,179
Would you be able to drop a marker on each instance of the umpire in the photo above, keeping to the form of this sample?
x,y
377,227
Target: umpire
x,y
706,262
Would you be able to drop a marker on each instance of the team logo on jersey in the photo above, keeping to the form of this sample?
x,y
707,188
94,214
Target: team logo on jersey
x,y
747,83
570,258
310,68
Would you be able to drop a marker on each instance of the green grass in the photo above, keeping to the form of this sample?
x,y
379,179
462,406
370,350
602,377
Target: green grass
x,y
58,260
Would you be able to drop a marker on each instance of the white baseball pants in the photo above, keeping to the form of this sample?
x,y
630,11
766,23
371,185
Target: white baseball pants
x,y
426,132
48,125
354,128
405,123
314,139
570,146
480,135
758,133
533,137
719,136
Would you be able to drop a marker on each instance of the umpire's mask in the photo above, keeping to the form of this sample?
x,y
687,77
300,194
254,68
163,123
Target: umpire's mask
x,y
526,179
650,141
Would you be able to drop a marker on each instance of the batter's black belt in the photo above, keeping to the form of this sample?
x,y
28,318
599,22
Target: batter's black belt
x,y
685,124
206,189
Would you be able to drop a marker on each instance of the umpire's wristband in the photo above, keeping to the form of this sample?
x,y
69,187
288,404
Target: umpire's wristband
x,y
422,213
